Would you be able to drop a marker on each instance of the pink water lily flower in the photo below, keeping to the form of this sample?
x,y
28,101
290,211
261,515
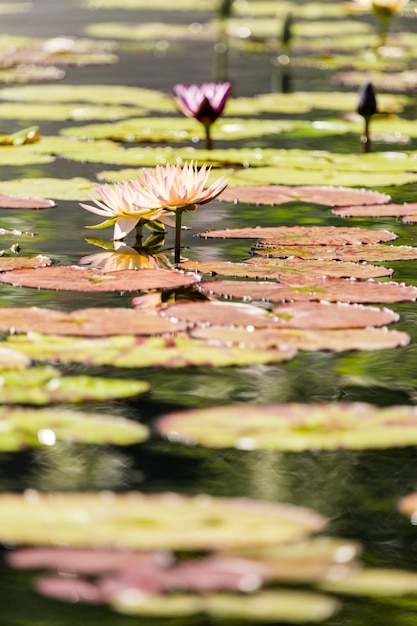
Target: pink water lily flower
x,y
203,102
124,206
178,188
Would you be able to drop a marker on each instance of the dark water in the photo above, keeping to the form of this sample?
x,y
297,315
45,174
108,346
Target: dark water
x,y
358,491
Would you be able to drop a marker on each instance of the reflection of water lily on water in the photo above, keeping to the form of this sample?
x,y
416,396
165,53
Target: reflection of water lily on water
x,y
203,102
120,256
384,10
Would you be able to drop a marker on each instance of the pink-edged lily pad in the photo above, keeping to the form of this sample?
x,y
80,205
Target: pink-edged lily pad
x,y
321,315
293,315
410,219
369,252
280,194
150,521
14,202
273,269
88,322
295,427
338,340
8,263
304,235
378,210
134,351
75,278
329,289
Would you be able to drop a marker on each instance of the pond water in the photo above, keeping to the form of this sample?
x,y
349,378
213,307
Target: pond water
x,y
358,491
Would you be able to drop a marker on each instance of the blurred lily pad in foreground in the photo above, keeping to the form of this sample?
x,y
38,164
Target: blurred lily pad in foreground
x,y
134,520
294,427
24,427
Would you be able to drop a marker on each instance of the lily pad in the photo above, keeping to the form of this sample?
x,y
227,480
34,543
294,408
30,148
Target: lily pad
x,y
294,427
12,359
76,112
169,129
45,385
130,351
134,520
304,235
293,607
8,263
293,315
280,194
375,583
377,210
91,94
93,322
305,339
273,269
14,202
75,278
30,73
370,252
329,289
57,188
20,137
44,427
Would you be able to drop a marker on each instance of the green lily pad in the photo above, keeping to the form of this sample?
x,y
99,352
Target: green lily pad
x,y
278,270
305,339
375,583
292,315
75,112
23,427
93,322
75,278
143,5
134,520
294,427
172,129
398,81
23,155
30,73
293,607
45,385
131,351
91,94
304,235
370,252
12,359
20,137
57,188
151,30
329,289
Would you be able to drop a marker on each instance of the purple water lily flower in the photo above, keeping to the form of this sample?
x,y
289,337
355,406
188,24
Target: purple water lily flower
x,y
203,102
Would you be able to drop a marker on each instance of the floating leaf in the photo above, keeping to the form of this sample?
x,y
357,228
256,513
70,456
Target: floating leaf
x,y
75,278
293,315
30,73
14,202
377,210
304,235
57,188
91,94
27,135
279,194
45,385
134,520
294,427
89,322
39,427
305,339
267,606
268,268
332,315
375,583
330,289
11,359
130,351
8,263
370,252
76,112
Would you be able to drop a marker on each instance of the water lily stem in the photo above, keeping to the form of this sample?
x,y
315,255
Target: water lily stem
x,y
177,249
209,143
365,137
